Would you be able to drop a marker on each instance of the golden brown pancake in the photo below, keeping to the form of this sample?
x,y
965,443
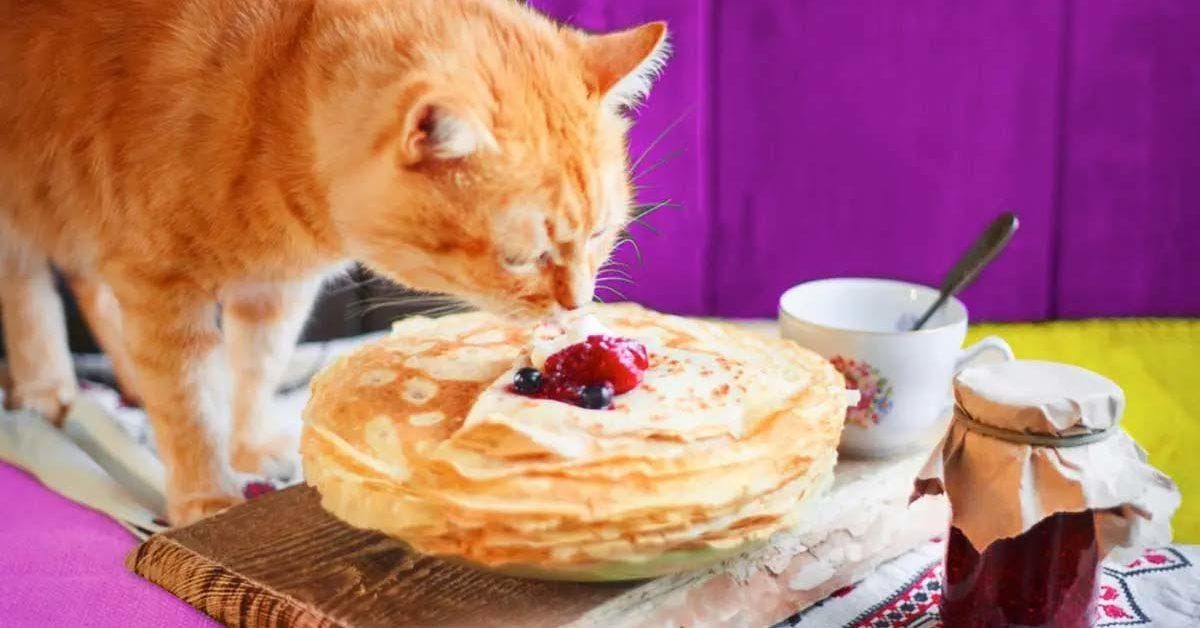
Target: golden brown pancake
x,y
416,435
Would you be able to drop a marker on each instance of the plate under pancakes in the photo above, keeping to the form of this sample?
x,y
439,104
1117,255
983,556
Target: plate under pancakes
x,y
729,434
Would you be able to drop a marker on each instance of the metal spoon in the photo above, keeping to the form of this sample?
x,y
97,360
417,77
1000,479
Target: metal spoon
x,y
985,249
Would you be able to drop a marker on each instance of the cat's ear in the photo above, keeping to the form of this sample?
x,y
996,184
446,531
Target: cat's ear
x,y
621,66
437,129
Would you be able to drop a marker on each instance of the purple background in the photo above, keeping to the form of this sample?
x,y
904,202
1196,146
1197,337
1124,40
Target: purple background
x,y
830,138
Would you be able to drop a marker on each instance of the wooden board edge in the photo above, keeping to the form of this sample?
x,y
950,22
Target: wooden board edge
x,y
216,591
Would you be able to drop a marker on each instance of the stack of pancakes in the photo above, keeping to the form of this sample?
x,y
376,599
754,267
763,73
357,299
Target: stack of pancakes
x,y
417,436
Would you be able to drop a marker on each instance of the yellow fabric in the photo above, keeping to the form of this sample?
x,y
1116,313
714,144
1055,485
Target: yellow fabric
x,y
1157,363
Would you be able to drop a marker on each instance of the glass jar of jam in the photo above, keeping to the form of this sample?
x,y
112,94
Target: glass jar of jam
x,y
1046,576
1038,473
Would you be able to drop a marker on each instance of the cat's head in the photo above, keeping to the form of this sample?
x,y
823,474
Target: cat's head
x,y
496,169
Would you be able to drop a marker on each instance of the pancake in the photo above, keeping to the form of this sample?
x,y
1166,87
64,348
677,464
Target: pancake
x,y
418,436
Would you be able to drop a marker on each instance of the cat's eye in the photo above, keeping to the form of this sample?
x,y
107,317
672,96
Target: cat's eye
x,y
523,265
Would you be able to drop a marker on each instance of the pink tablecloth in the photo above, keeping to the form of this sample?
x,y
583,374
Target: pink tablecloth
x,y
61,564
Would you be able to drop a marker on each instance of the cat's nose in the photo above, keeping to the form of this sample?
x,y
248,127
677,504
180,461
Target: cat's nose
x,y
574,289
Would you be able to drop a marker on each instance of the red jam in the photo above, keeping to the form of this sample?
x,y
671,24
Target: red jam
x,y
619,361
587,373
256,489
1044,577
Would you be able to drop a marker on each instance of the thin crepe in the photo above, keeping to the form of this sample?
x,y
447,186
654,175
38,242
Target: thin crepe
x,y
417,436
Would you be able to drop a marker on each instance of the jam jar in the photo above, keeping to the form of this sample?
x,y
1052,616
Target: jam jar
x,y
1037,472
1046,576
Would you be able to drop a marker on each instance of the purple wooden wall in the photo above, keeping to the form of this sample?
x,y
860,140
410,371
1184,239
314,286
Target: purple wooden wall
x,y
822,138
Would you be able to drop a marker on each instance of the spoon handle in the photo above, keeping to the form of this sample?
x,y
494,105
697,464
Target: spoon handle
x,y
983,250
943,296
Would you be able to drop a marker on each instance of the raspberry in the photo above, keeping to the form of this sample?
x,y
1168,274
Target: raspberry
x,y
586,373
555,388
599,359
559,389
255,489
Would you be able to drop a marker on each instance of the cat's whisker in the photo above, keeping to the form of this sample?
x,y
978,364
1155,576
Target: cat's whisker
x,y
637,251
598,299
656,165
613,272
640,212
404,295
442,311
606,272
613,290
359,312
647,226
447,304
346,283
364,308
618,279
660,136
411,303
638,188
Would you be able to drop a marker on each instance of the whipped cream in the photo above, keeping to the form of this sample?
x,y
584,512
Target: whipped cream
x,y
550,338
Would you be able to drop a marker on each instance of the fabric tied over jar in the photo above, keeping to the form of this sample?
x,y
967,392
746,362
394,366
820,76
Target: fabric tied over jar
x,y
1043,485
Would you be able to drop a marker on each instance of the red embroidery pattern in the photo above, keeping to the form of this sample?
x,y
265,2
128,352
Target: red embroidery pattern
x,y
919,599
1152,560
916,603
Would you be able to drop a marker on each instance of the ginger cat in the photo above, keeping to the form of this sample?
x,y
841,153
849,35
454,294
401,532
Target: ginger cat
x,y
176,156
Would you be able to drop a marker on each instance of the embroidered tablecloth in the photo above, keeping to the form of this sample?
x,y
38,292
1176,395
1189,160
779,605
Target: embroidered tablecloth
x,y
1162,588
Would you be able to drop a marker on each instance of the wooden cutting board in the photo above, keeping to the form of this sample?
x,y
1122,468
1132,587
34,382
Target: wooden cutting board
x,y
281,560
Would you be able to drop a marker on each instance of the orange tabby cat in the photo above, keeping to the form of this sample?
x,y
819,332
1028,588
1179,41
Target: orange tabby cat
x,y
171,156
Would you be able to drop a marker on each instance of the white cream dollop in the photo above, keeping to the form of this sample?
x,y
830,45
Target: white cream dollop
x,y
550,338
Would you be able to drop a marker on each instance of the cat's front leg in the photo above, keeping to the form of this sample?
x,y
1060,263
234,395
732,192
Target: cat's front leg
x,y
262,323
103,315
35,337
182,375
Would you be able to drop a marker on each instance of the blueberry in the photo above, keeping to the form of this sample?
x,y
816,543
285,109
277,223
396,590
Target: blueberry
x,y
596,396
527,380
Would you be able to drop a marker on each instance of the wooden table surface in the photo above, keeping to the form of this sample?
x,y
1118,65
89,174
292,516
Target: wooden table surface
x,y
281,559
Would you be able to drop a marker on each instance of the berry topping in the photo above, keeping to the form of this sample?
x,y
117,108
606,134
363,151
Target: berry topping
x,y
254,489
588,373
527,381
599,359
596,396
559,390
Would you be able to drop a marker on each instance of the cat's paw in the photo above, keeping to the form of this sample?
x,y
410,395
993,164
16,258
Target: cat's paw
x,y
276,458
49,401
189,510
